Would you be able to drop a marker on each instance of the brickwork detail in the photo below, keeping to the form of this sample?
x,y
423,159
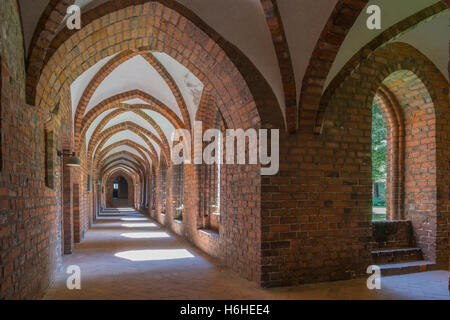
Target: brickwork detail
x,y
310,222
29,212
395,155
317,211
280,43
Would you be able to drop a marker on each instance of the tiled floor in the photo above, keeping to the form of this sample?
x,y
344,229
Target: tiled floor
x,y
127,256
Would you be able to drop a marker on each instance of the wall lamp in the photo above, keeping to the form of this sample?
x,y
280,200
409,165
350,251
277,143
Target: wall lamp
x,y
73,161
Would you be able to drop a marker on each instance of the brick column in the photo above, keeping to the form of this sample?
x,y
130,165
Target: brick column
x,y
67,206
76,213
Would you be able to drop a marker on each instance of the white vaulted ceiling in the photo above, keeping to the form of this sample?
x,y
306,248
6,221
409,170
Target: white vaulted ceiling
x,y
243,23
393,12
432,40
133,117
303,22
133,74
79,85
190,86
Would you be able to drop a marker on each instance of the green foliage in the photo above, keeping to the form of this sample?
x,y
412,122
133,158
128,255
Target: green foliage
x,y
379,145
379,202
378,217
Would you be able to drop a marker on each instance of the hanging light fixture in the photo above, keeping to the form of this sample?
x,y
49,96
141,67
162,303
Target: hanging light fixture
x,y
73,161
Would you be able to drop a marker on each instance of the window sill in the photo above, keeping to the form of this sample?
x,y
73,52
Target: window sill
x,y
178,220
209,232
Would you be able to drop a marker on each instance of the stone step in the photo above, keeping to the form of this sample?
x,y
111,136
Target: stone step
x,y
392,234
396,255
406,267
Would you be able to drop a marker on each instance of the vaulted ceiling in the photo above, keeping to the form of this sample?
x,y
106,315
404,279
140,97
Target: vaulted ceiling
x,y
152,94
133,129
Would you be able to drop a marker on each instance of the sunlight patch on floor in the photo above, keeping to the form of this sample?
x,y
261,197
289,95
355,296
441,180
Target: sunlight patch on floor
x,y
154,255
138,225
145,235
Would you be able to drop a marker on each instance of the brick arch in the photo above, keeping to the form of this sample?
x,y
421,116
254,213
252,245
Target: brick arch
x,y
131,144
116,171
103,137
333,35
151,59
280,43
242,95
111,171
142,161
136,171
115,102
102,124
139,180
208,110
132,194
420,166
89,91
115,62
118,166
219,64
138,167
207,175
394,57
395,157
104,162
399,67
99,154
46,29
153,123
324,184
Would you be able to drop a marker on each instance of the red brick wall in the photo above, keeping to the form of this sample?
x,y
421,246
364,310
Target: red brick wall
x,y
67,204
207,175
311,222
393,234
420,188
37,222
29,211
327,47
241,95
395,155
317,210
86,203
237,241
109,189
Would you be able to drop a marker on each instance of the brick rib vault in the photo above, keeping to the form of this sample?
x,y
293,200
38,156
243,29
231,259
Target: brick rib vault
x,y
115,91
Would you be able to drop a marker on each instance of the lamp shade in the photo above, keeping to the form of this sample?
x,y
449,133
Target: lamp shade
x,y
73,161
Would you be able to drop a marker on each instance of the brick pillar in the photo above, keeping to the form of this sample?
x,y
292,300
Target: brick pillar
x,y
192,199
76,213
170,194
151,195
67,206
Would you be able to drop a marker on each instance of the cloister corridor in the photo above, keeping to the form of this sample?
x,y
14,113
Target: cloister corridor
x,y
181,271
238,150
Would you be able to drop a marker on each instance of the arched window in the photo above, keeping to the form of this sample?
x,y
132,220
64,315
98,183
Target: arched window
x,y
162,187
115,189
379,164
153,199
178,174
213,219
49,158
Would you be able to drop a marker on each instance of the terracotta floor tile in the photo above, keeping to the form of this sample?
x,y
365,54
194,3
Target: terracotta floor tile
x,y
190,274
